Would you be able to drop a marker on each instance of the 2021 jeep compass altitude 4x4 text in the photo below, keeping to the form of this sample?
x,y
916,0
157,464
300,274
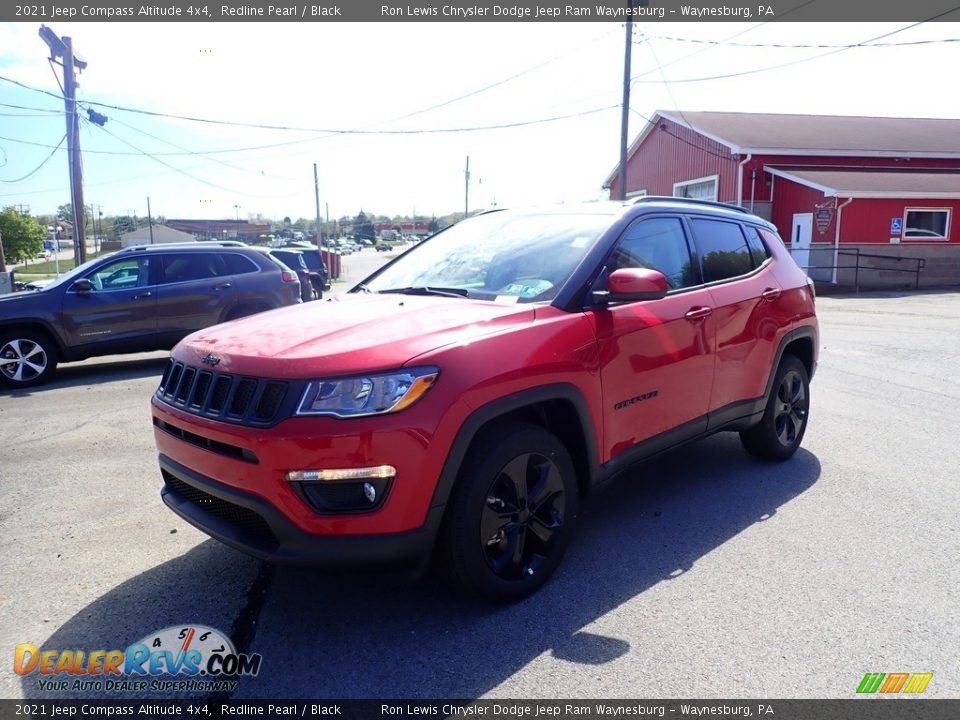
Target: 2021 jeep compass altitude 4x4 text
x,y
462,399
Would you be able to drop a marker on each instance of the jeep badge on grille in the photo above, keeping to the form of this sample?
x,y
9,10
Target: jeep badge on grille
x,y
210,359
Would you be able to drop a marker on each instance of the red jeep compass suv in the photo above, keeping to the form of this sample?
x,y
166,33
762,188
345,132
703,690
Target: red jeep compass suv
x,y
462,400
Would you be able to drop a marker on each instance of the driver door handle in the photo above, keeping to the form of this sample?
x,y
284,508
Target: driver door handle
x,y
698,313
221,286
141,296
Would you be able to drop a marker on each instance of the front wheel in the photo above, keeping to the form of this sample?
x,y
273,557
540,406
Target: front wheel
x,y
511,514
26,359
778,434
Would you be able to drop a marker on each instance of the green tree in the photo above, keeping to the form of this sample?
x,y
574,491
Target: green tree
x,y
22,235
65,212
122,224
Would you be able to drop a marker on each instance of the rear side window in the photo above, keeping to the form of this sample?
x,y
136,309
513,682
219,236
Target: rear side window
x,y
238,264
292,260
656,244
184,267
724,252
758,250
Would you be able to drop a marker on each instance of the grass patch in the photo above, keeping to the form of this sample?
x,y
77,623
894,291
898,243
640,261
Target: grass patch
x,y
49,267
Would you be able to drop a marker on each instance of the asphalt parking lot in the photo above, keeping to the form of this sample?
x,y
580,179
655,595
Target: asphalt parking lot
x,y
702,574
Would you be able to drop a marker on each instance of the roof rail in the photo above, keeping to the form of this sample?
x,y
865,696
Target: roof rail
x,y
692,201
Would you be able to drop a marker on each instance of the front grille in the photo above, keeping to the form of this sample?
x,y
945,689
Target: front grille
x,y
223,396
253,527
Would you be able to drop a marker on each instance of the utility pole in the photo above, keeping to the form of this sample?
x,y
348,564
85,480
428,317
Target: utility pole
x,y
466,190
316,196
621,190
150,219
64,49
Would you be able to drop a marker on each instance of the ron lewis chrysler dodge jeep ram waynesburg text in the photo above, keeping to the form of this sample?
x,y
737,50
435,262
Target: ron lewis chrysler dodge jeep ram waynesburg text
x,y
461,401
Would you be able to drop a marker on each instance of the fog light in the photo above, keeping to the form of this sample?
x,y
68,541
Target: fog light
x,y
379,472
370,492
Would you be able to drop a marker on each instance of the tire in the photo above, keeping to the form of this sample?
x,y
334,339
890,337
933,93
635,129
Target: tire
x,y
503,535
779,433
27,358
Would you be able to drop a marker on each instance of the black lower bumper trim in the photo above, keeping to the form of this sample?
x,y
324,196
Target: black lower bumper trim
x,y
254,526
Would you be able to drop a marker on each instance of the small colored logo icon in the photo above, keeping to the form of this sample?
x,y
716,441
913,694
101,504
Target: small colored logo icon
x,y
893,683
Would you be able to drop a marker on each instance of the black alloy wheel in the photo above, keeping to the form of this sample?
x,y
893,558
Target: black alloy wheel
x,y
780,431
511,513
523,512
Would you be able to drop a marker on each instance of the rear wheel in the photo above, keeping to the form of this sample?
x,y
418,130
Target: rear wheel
x,y
511,514
27,358
778,434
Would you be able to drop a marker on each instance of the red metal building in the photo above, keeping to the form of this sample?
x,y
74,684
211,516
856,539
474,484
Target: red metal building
x,y
881,194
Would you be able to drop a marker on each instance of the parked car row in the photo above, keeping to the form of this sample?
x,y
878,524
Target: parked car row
x,y
137,299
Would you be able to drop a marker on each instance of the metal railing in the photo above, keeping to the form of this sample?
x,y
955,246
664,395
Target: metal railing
x,y
860,260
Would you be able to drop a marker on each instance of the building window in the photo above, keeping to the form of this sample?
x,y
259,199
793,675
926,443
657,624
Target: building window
x,y
704,188
926,224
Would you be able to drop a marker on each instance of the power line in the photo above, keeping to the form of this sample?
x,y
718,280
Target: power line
x,y
505,80
37,168
334,131
187,151
735,35
724,43
29,115
682,139
24,107
801,60
174,168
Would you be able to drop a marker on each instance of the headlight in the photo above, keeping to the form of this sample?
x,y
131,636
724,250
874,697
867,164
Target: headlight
x,y
368,394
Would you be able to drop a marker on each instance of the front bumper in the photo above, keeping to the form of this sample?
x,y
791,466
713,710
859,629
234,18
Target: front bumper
x,y
252,525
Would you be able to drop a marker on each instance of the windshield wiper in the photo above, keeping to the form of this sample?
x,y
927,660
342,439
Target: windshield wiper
x,y
425,290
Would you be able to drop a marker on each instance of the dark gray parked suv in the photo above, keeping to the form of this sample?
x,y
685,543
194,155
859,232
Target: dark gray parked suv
x,y
138,299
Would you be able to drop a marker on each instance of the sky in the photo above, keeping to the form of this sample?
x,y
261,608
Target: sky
x,y
418,81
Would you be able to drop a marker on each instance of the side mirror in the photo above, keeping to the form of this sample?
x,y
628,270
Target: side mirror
x,y
82,286
631,285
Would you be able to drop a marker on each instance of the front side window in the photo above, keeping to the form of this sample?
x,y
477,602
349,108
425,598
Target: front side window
x,y
656,244
124,274
724,252
508,257
926,224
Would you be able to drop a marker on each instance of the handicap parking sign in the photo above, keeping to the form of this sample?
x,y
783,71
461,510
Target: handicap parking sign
x,y
896,225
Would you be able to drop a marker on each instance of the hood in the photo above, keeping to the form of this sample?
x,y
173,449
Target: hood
x,y
14,304
347,334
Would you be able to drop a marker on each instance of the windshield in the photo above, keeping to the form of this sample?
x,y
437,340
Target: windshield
x,y
500,256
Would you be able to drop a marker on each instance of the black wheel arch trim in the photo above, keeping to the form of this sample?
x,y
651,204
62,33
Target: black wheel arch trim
x,y
26,324
503,406
807,332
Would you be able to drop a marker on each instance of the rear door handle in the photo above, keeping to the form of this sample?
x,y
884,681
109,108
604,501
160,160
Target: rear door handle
x,y
141,296
698,313
222,286
770,294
